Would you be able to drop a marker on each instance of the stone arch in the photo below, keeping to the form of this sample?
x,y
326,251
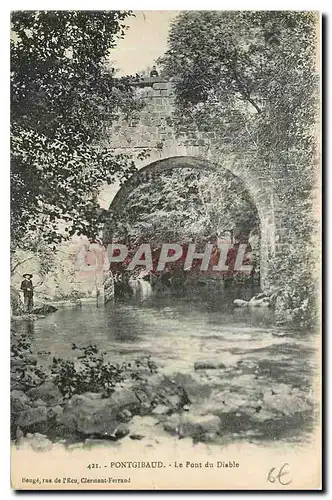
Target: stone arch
x,y
259,190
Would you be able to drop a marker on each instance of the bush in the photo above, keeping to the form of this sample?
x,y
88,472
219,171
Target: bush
x,y
25,372
90,372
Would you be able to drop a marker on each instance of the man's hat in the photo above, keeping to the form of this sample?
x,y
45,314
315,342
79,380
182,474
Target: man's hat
x,y
27,275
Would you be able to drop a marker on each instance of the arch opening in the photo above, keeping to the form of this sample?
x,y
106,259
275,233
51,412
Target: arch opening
x,y
259,198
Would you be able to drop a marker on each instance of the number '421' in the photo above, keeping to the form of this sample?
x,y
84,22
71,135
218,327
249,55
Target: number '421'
x,y
93,466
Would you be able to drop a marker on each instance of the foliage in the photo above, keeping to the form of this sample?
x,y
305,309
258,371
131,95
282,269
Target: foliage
x,y
92,373
33,247
25,372
89,372
63,97
182,206
248,80
238,72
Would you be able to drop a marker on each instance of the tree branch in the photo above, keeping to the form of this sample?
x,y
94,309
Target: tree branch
x,y
252,102
13,269
244,91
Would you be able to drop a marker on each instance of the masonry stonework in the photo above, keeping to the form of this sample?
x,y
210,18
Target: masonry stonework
x,y
154,135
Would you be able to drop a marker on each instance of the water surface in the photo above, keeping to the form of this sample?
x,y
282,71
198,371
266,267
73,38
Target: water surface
x,y
178,331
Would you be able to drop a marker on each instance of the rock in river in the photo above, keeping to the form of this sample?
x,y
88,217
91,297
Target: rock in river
x,y
44,309
161,410
91,414
160,390
38,442
240,303
19,401
208,365
47,392
33,417
195,426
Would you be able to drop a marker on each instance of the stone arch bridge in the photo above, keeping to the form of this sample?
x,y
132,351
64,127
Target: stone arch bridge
x,y
153,133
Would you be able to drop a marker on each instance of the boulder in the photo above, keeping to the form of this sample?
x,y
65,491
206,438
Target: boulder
x,y
121,431
37,403
260,300
193,386
209,437
227,403
31,359
240,303
208,365
56,411
137,437
19,401
44,309
88,415
33,417
91,414
124,398
143,425
172,424
160,390
176,400
195,426
17,362
89,443
262,416
39,442
285,401
124,415
47,392
92,395
262,295
161,410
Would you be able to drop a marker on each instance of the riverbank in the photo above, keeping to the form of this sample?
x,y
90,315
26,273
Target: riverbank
x,y
44,307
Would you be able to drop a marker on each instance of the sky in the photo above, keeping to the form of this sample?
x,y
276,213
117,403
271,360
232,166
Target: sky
x,y
144,42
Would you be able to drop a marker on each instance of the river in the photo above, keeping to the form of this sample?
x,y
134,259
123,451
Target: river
x,y
179,331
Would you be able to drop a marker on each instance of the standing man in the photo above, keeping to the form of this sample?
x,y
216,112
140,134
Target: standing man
x,y
27,289
154,72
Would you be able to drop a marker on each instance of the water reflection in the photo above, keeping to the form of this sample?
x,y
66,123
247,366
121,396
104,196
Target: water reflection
x,y
162,326
25,326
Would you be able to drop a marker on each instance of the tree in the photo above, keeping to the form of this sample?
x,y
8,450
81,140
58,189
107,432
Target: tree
x,y
236,72
249,80
63,98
